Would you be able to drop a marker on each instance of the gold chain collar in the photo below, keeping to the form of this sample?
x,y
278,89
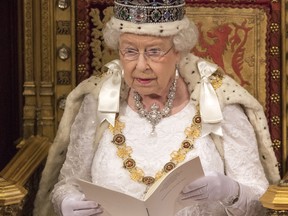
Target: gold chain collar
x,y
192,132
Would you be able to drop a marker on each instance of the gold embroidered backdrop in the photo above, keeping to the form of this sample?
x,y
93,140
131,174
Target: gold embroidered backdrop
x,y
241,36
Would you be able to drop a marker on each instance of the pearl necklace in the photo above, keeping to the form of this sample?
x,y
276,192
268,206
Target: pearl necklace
x,y
192,132
155,115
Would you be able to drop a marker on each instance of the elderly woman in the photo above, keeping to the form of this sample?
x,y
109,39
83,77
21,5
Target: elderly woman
x,y
151,97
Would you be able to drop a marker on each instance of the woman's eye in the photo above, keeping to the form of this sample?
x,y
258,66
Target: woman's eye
x,y
153,51
131,51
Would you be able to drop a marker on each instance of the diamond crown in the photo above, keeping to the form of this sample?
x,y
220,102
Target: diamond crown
x,y
147,11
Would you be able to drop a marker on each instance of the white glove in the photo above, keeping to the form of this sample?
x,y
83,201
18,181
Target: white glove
x,y
212,187
76,205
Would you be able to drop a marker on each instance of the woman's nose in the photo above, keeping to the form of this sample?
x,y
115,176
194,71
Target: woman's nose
x,y
142,62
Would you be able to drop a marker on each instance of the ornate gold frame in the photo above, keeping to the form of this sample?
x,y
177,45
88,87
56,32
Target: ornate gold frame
x,y
49,40
47,29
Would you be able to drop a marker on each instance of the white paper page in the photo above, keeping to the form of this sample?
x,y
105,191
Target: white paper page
x,y
113,202
163,200
160,202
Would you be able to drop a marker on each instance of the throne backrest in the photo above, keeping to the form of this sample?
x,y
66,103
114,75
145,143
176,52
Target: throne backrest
x,y
242,37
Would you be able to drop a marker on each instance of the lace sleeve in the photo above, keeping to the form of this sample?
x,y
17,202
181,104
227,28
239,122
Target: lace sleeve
x,y
79,155
242,158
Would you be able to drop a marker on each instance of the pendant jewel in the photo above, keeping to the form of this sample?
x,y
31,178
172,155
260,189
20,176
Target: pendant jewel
x,y
153,133
155,115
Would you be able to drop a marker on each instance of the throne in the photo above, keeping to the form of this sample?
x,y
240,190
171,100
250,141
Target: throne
x,y
244,37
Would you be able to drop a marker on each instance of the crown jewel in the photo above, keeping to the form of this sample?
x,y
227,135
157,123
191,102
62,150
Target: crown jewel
x,y
149,11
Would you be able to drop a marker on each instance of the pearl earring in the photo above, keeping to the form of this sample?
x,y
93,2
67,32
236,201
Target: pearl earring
x,y
176,72
122,73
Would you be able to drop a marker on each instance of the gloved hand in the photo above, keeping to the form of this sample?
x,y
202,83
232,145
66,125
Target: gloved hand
x,y
212,187
76,205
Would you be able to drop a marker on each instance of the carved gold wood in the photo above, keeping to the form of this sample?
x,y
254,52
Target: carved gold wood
x,y
276,198
15,176
38,66
47,79
11,193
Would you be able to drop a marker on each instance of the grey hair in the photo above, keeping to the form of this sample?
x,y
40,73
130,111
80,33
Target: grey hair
x,y
111,36
183,41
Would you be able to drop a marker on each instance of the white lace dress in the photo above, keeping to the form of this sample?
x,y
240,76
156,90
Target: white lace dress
x,y
151,153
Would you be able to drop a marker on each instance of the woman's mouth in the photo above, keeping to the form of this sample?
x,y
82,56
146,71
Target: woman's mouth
x,y
144,81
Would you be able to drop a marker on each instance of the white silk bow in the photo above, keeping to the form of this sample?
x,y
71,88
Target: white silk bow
x,y
109,95
210,110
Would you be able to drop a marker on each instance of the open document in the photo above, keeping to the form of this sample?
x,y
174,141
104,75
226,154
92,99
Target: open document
x,y
160,199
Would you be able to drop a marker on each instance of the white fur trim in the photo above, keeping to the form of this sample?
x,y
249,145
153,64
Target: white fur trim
x,y
155,29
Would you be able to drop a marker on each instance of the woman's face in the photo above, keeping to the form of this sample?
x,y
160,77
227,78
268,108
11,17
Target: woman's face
x,y
152,72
